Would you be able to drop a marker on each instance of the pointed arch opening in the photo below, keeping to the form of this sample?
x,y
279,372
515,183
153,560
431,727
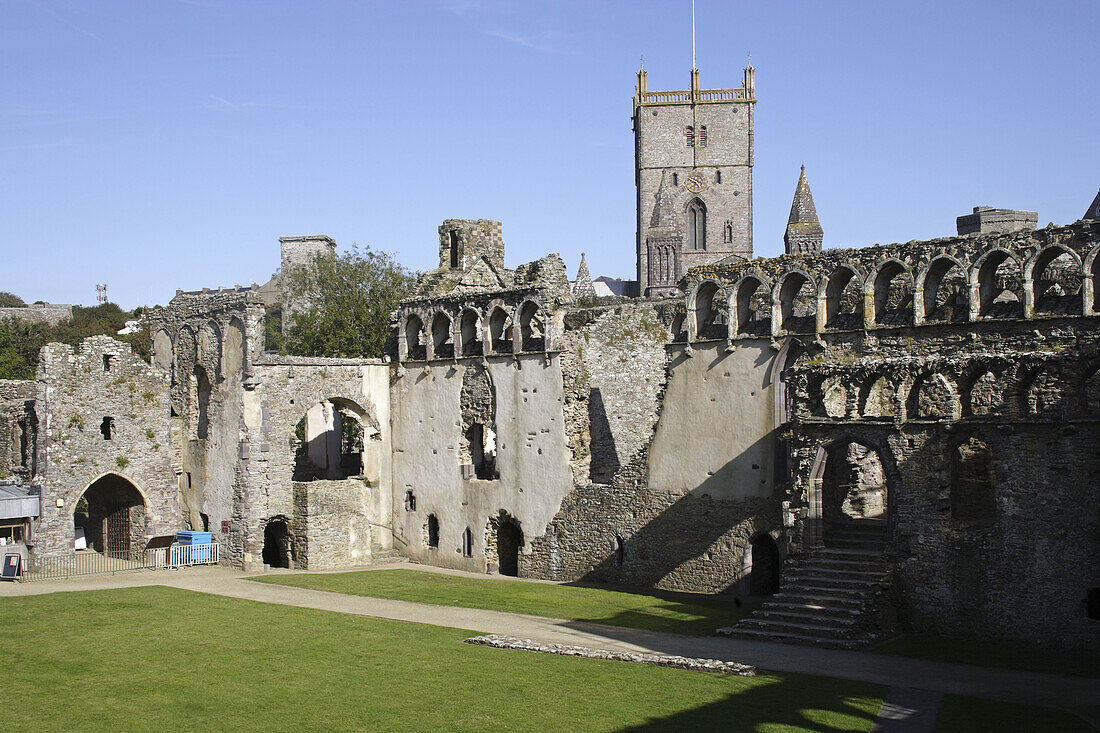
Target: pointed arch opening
x,y
797,304
532,327
470,333
109,518
443,346
709,323
696,225
500,331
893,295
416,348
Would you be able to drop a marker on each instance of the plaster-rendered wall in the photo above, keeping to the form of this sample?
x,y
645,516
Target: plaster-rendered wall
x,y
532,460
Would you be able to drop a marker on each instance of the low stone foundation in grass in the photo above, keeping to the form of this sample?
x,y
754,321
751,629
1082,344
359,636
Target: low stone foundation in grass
x,y
660,660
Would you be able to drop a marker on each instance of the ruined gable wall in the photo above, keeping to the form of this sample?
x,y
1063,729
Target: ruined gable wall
x,y
332,522
531,456
76,393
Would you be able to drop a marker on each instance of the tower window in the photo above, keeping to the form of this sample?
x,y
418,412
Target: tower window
x,y
106,362
690,136
467,543
675,180
697,225
107,427
702,136
727,232
453,238
718,176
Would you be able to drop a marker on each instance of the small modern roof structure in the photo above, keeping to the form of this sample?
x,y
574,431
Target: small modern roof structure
x,y
18,501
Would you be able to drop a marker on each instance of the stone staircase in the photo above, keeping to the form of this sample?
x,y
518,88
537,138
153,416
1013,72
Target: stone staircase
x,y
835,597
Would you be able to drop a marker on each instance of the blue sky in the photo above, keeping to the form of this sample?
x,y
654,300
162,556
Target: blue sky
x,y
157,144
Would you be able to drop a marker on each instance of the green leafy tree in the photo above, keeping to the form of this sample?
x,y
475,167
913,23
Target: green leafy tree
x,y
342,305
10,300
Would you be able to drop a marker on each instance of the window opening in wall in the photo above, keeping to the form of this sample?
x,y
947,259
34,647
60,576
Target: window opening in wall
x,y
470,332
689,136
467,543
205,522
702,136
106,362
453,238
24,443
433,531
107,428
697,225
620,550
675,179
410,501
331,440
187,480
13,531
442,343
727,232
202,398
718,176
532,329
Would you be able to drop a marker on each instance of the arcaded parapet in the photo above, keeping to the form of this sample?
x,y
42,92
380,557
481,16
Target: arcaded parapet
x,y
312,486
986,448
104,449
1043,273
18,428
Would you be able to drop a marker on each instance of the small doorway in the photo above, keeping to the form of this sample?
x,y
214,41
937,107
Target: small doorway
x,y
764,574
509,540
276,551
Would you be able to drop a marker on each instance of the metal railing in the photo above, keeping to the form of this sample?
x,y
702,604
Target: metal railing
x,y
90,562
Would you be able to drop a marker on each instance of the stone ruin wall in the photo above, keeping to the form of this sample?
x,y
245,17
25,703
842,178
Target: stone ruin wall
x,y
1004,552
76,393
332,523
220,333
18,428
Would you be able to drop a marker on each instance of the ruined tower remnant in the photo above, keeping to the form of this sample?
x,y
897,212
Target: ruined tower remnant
x,y
693,171
988,220
302,250
804,233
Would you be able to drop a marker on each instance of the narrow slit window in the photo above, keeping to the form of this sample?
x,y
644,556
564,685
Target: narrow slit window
x,y
107,428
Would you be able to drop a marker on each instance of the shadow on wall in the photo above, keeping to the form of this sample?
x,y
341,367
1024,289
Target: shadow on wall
x,y
605,458
684,541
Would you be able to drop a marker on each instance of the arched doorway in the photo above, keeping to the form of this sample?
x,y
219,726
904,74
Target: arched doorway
x,y
850,497
110,516
277,548
509,540
766,564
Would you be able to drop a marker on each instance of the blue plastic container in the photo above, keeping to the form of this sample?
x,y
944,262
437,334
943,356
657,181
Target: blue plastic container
x,y
188,538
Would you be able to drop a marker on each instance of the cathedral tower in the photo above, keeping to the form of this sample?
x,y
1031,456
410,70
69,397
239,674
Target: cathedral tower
x,y
693,169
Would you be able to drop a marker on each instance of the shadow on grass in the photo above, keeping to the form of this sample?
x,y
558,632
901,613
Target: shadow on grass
x,y
795,702
983,654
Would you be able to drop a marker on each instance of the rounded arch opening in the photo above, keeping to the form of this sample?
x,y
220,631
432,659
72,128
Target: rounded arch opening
x,y
893,295
709,323
109,518
844,300
500,331
797,303
945,291
470,333
333,440
1000,290
765,565
754,307
415,347
1056,279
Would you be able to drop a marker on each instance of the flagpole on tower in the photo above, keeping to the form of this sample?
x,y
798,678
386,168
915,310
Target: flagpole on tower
x,y
693,34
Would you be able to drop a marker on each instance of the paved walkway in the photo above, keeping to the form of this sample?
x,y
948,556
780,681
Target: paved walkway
x,y
1076,694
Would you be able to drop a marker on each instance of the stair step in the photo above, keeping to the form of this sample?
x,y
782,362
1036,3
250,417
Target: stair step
x,y
793,638
795,627
805,619
795,597
786,606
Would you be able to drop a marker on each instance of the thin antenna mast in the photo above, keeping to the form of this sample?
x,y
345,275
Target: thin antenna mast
x,y
693,34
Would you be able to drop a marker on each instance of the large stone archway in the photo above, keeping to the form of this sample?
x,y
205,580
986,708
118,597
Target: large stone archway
x,y
853,482
110,516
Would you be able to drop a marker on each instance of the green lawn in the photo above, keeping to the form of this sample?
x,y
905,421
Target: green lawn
x,y
991,655
657,611
960,714
157,658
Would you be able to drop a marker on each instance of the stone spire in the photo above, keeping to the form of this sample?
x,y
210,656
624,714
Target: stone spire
x,y
583,287
1094,209
804,233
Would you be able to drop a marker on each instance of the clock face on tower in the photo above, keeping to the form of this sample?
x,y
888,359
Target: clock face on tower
x,y
696,182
